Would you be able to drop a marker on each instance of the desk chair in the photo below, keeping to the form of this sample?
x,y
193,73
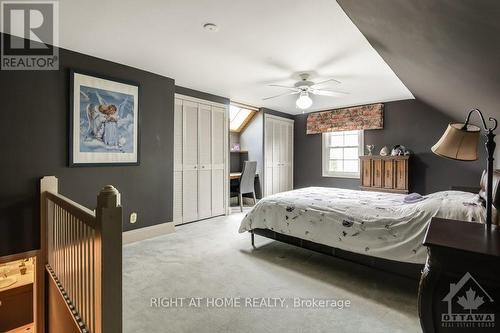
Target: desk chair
x,y
247,181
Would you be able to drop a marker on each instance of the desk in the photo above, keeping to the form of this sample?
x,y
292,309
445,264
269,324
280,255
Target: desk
x,y
235,175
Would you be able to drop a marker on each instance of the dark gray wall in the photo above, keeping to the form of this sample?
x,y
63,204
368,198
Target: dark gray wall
x,y
34,135
411,123
201,95
277,113
446,52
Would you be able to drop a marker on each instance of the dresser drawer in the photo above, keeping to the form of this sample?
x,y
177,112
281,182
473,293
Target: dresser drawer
x,y
401,174
366,176
388,174
378,173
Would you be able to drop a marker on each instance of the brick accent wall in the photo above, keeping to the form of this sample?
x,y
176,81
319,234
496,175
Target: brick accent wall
x,y
347,119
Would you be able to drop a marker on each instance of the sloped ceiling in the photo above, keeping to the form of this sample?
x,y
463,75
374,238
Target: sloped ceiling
x,y
447,52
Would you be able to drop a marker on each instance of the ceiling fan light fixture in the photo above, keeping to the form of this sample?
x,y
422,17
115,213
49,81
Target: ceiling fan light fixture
x,y
304,101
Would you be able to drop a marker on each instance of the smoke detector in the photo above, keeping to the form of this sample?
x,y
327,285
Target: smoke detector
x,y
211,27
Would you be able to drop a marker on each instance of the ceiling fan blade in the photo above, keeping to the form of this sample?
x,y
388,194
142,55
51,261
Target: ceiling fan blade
x,y
286,87
326,81
321,92
283,94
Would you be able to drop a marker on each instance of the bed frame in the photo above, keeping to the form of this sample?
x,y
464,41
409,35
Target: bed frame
x,y
412,271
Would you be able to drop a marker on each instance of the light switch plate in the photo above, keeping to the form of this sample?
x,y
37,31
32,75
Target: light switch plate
x,y
133,217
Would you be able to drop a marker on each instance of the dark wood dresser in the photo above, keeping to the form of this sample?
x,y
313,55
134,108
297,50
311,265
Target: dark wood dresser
x,y
460,285
385,173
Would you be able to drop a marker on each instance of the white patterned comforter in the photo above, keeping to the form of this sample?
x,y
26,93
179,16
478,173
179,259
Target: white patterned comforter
x,y
372,223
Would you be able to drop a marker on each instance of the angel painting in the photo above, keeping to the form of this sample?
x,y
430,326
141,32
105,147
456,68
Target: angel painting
x,y
104,121
109,120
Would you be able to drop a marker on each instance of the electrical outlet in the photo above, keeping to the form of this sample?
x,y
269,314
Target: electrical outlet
x,y
133,217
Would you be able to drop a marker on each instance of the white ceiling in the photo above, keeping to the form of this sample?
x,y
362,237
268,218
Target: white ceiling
x,y
259,42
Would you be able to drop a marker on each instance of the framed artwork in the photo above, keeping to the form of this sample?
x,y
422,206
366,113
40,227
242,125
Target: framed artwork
x,y
104,121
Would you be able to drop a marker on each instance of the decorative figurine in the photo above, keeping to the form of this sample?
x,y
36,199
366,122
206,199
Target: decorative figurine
x,y
400,150
370,149
384,151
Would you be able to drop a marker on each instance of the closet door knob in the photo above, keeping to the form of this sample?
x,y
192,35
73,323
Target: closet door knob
x,y
195,166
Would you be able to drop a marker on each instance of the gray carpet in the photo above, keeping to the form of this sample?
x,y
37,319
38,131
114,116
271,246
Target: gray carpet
x,y
210,259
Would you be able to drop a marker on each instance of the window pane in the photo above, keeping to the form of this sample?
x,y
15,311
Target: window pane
x,y
240,117
336,140
336,153
336,165
342,150
351,140
233,111
351,165
351,153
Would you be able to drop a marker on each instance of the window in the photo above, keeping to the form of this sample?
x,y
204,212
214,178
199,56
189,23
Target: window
x,y
239,116
341,151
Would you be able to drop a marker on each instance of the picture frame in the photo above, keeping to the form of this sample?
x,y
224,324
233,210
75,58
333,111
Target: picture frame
x,y
104,121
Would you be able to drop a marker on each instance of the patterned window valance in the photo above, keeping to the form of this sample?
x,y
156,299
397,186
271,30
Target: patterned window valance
x,y
348,119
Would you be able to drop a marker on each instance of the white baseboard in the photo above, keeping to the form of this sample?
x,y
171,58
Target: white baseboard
x,y
137,235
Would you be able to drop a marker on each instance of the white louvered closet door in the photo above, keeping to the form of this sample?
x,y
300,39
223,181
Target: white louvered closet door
x,y
200,159
268,156
190,162
283,163
289,156
278,155
205,161
178,125
219,142
277,148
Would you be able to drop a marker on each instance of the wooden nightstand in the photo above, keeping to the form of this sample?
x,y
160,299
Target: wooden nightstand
x,y
460,285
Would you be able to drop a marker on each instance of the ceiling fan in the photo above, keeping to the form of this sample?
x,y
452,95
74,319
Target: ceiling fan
x,y
304,87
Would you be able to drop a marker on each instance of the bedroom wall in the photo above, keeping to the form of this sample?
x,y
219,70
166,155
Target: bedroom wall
x,y
34,135
441,50
411,123
252,140
277,113
201,95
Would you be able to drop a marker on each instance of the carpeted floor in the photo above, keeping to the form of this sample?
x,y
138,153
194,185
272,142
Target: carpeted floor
x,y
209,260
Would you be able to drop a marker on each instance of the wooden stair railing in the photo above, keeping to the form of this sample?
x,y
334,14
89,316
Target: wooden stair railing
x,y
83,252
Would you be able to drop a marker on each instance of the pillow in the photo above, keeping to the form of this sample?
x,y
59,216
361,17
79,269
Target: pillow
x,y
496,188
496,192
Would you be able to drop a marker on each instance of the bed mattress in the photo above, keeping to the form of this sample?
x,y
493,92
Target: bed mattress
x,y
372,223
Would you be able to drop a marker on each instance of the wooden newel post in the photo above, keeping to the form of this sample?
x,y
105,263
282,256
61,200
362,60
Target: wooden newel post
x,y
109,269
47,184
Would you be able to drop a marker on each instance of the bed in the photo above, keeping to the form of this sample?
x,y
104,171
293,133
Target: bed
x,y
373,228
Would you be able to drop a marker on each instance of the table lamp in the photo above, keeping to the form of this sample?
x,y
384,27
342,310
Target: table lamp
x,y
460,141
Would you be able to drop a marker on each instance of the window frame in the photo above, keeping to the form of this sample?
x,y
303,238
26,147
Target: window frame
x,y
325,156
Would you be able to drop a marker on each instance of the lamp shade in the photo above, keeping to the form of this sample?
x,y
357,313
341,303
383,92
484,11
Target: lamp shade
x,y
458,143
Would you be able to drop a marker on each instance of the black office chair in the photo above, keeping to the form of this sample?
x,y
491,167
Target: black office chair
x,y
247,181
